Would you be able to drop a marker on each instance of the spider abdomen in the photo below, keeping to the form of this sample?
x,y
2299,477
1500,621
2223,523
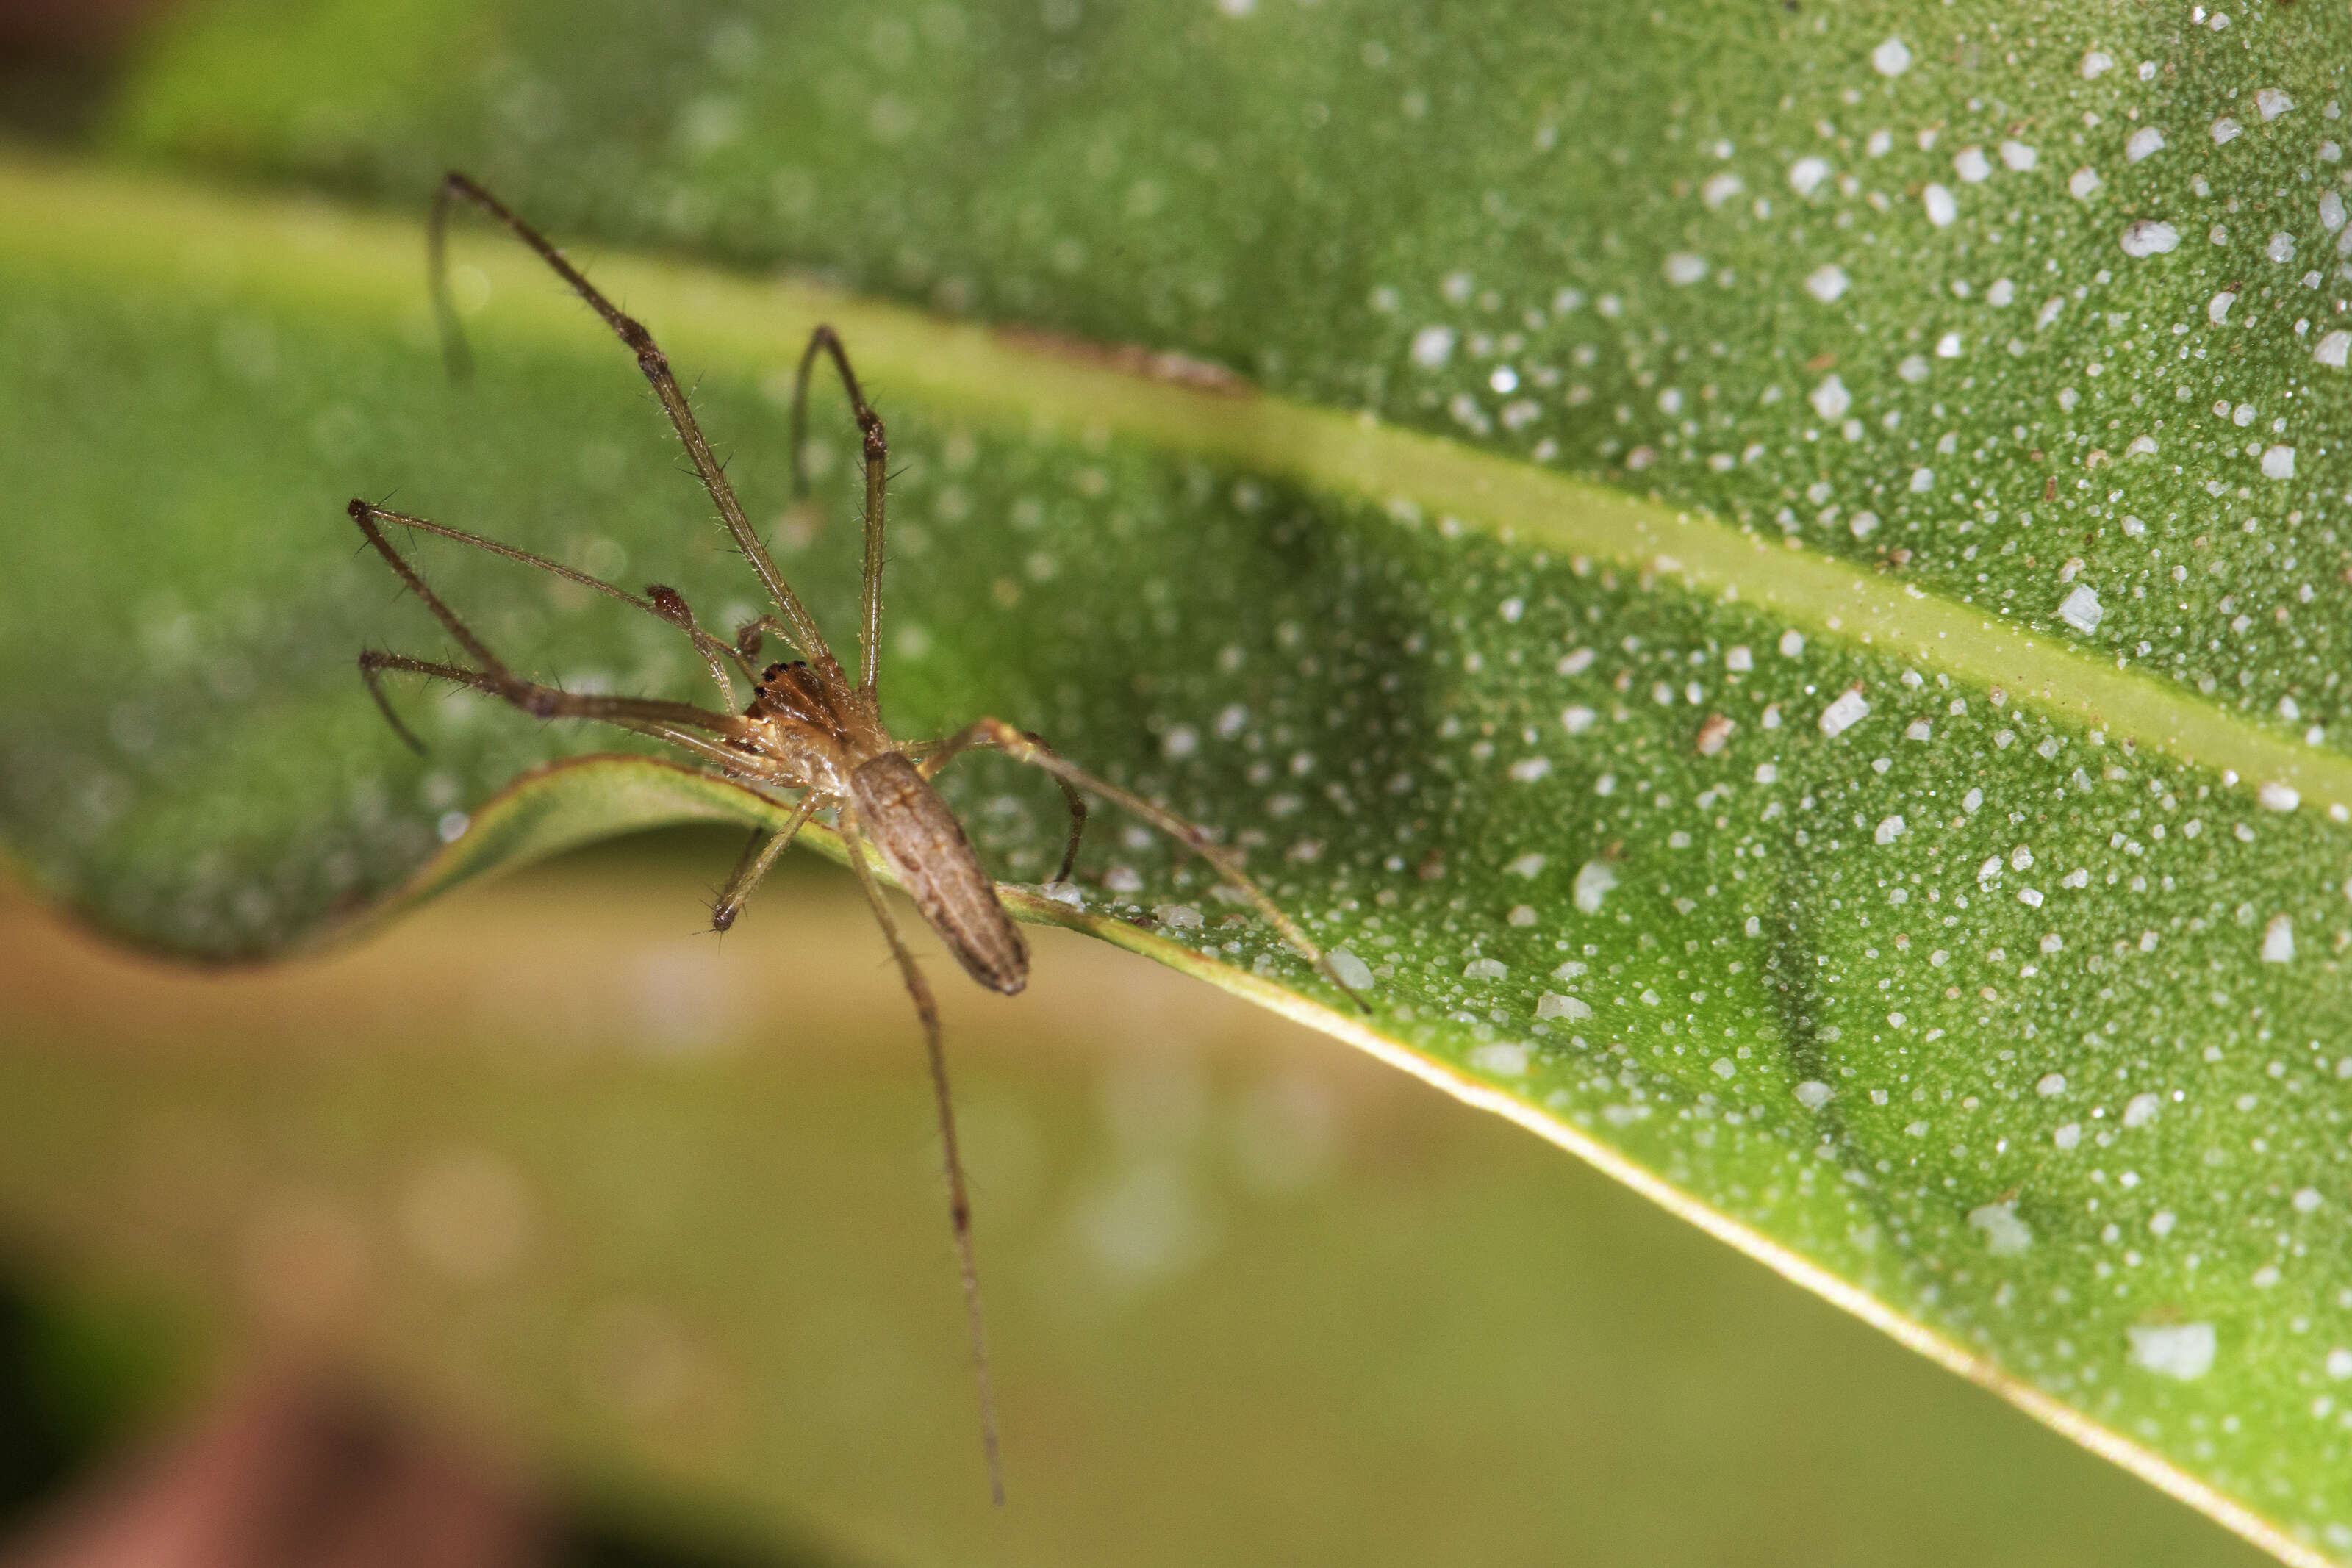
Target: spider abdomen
x,y
925,847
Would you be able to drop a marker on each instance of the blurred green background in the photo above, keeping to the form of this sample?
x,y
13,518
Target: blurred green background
x,y
662,1214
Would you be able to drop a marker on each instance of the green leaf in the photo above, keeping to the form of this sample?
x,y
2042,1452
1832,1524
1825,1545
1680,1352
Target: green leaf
x,y
1900,842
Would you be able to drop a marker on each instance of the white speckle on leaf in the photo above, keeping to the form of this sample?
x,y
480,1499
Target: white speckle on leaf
x,y
2278,463
2082,182
1971,166
2149,236
1593,881
1830,399
1501,1059
2068,1136
2184,1351
2270,102
1889,828
1485,969
2141,1109
1683,268
1528,769
1812,1093
1806,174
2278,940
1826,283
1848,710
1576,720
2278,797
1552,1005
2051,1085
2217,310
1721,187
2225,131
1526,865
1942,206
2143,142
1432,347
1891,58
2081,608
1354,972
2006,1235
2096,61
2332,348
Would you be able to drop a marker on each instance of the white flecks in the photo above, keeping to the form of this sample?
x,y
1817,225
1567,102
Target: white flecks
x,y
2332,348
2280,248
1812,1093
2184,1351
1913,368
2029,896
1843,714
1522,915
2049,312
1501,1059
2278,940
1576,720
1826,283
1181,917
1723,1067
1576,663
1919,729
1861,524
1527,865
2006,1235
2278,797
1683,268
2278,463
1888,831
1947,347
1737,658
1767,773
1715,734
1528,769
1942,206
2217,310
2051,1085
1721,187
2081,608
1593,881
2017,157
2331,211
1485,969
1806,174
2096,61
1922,481
1181,741
2161,1223
452,826
2271,103
2082,182
1830,399
1354,972
1792,643
2306,1200
2148,236
1971,166
2147,140
1552,1005
2068,1136
2225,131
1432,347
2141,446
2002,292
2340,1362
2141,1109
1892,58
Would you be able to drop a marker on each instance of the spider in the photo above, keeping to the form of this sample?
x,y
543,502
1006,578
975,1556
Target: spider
x,y
808,727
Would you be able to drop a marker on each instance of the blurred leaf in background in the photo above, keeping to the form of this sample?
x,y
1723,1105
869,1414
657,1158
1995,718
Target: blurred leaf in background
x,y
1780,592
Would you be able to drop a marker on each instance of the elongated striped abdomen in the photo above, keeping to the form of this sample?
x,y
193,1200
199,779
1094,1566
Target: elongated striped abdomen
x,y
926,846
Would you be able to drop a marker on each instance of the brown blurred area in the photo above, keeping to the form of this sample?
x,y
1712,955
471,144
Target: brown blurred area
x,y
298,1468
87,27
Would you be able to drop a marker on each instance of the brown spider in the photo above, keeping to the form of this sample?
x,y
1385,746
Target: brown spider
x,y
807,726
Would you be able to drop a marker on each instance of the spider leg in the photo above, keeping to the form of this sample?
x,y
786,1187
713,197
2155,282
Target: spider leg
x,y
1021,747
664,603
653,363
934,755
758,856
673,722
824,339
959,1193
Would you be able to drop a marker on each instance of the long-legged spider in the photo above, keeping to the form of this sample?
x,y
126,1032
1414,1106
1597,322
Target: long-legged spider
x,y
806,729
